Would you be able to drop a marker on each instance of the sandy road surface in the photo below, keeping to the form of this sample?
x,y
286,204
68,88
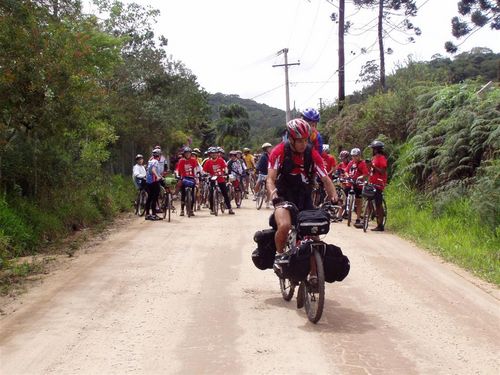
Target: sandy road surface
x,y
184,297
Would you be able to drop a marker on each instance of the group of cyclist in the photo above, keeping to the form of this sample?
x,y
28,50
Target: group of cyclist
x,y
290,170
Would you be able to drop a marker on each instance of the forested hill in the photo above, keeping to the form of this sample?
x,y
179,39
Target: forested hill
x,y
263,119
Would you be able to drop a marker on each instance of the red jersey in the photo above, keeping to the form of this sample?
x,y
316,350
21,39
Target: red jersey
x,y
357,169
216,167
330,163
278,155
378,178
187,167
343,166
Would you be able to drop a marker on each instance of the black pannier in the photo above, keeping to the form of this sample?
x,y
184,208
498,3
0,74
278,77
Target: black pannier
x,y
313,222
335,264
263,256
295,264
369,191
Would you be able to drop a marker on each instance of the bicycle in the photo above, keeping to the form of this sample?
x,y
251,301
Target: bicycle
x,y
262,194
189,185
166,204
310,296
370,212
217,197
252,180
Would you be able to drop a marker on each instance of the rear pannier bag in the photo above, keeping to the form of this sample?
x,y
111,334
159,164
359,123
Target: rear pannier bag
x,y
335,264
313,222
263,256
294,264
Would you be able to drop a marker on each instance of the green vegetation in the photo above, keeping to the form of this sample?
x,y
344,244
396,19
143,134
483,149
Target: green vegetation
x,y
443,143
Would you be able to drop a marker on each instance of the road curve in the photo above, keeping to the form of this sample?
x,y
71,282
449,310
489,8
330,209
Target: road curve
x,y
184,298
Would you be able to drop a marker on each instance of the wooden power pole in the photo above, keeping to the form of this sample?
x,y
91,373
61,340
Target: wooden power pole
x,y
286,65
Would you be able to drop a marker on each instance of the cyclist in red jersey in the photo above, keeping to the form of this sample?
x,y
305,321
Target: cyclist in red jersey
x,y
187,169
216,166
358,171
344,163
329,160
378,177
292,168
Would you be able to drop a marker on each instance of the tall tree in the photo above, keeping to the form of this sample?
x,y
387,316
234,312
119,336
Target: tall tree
x,y
480,14
388,10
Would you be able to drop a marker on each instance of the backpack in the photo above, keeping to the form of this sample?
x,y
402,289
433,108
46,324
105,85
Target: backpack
x,y
288,165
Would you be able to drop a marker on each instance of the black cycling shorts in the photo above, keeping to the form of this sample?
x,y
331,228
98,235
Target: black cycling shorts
x,y
292,208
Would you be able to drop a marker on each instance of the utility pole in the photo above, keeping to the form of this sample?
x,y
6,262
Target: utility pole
x,y
320,104
341,54
286,65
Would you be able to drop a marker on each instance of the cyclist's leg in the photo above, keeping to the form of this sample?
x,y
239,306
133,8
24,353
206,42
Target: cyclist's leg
x,y
183,198
223,189
359,203
283,220
211,191
149,200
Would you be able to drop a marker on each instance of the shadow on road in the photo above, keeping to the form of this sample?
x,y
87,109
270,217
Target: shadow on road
x,y
335,317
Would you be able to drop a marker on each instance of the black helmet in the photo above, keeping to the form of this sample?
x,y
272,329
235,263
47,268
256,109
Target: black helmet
x,y
187,149
377,144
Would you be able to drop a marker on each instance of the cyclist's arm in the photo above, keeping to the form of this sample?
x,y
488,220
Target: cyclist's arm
x,y
271,182
330,188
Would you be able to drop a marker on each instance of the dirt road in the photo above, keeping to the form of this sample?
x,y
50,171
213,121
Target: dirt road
x,y
184,297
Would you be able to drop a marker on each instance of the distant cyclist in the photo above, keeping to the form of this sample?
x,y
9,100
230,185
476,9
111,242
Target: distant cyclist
x,y
250,164
378,176
139,172
217,167
358,171
330,162
187,170
153,178
262,168
312,117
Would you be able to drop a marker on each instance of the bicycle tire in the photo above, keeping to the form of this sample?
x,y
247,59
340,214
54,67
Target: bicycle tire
x,y
385,211
260,199
367,214
143,197
215,199
222,203
350,208
189,202
238,198
164,205
169,207
315,297
287,289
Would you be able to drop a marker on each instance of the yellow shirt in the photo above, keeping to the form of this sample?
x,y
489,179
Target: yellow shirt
x,y
249,160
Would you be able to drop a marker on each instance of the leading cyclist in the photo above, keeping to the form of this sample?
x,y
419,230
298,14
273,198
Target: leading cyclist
x,y
292,167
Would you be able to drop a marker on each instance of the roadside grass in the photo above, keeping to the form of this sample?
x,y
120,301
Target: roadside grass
x,y
452,231
29,227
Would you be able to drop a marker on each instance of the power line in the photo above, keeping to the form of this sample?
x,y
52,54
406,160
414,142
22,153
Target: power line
x,y
268,91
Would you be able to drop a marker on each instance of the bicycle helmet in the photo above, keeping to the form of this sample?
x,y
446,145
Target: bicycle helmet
x,y
232,153
187,149
326,148
377,144
344,154
266,145
310,114
355,151
239,152
298,129
212,150
220,149
197,150
139,156
156,151
246,149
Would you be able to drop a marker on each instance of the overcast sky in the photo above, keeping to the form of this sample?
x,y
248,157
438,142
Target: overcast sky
x,y
231,45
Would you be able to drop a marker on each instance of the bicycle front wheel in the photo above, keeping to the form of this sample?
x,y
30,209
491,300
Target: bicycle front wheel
x,y
143,197
215,203
189,202
287,289
315,294
222,203
368,214
350,208
260,198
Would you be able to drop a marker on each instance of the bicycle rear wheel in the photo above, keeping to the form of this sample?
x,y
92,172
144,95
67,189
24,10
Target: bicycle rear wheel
x,y
287,289
260,198
315,295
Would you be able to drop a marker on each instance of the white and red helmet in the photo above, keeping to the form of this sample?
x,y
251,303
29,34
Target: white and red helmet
x,y
298,129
